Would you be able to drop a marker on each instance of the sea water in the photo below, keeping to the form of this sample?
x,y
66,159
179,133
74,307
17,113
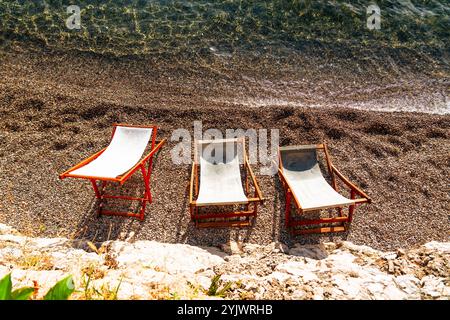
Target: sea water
x,y
167,27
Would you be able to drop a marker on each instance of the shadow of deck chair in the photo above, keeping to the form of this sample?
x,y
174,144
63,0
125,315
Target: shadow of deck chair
x,y
118,162
216,183
302,180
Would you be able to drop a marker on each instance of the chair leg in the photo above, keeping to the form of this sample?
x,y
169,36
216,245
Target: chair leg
x,y
142,211
97,192
147,194
287,213
146,176
98,195
147,182
227,219
255,208
351,209
147,197
321,225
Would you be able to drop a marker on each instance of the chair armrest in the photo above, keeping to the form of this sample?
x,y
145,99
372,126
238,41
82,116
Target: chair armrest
x,y
350,185
254,182
153,151
140,163
81,164
191,184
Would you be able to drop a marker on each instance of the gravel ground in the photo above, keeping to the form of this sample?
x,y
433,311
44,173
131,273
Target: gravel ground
x,y
57,109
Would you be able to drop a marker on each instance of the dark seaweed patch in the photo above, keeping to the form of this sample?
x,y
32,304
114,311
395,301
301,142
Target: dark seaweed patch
x,y
381,128
94,112
335,133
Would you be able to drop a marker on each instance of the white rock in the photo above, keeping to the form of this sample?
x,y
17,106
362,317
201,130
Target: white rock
x,y
438,246
234,258
389,255
298,295
331,271
130,237
278,276
309,251
318,293
276,247
250,248
409,284
330,246
203,281
41,243
173,259
433,286
376,290
10,253
4,270
349,286
297,269
391,292
343,261
4,229
364,250
16,239
232,247
45,279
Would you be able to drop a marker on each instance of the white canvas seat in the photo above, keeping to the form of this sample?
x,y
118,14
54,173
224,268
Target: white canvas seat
x,y
220,183
217,185
305,187
123,152
303,174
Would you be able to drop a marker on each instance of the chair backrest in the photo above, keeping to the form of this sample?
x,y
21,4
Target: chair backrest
x,y
220,151
300,162
128,143
126,148
220,173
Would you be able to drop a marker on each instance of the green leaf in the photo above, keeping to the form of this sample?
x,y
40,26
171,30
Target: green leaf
x,y
22,293
61,290
224,290
214,286
5,287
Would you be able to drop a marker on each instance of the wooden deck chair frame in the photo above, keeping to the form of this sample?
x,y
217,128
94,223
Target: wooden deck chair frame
x,y
99,190
321,225
227,218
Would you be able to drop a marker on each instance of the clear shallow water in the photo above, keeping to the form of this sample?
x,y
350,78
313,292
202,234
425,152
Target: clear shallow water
x,y
166,27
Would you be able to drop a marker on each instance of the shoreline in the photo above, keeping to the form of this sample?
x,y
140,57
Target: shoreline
x,y
321,78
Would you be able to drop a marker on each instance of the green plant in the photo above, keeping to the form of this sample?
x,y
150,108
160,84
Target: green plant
x,y
93,271
88,292
6,292
105,292
61,290
110,294
93,247
35,261
194,290
214,290
174,296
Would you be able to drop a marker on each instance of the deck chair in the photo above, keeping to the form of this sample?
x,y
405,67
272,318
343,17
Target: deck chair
x,y
302,180
217,184
118,162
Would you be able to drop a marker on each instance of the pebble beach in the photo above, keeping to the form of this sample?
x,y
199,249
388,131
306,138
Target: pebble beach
x,y
58,108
